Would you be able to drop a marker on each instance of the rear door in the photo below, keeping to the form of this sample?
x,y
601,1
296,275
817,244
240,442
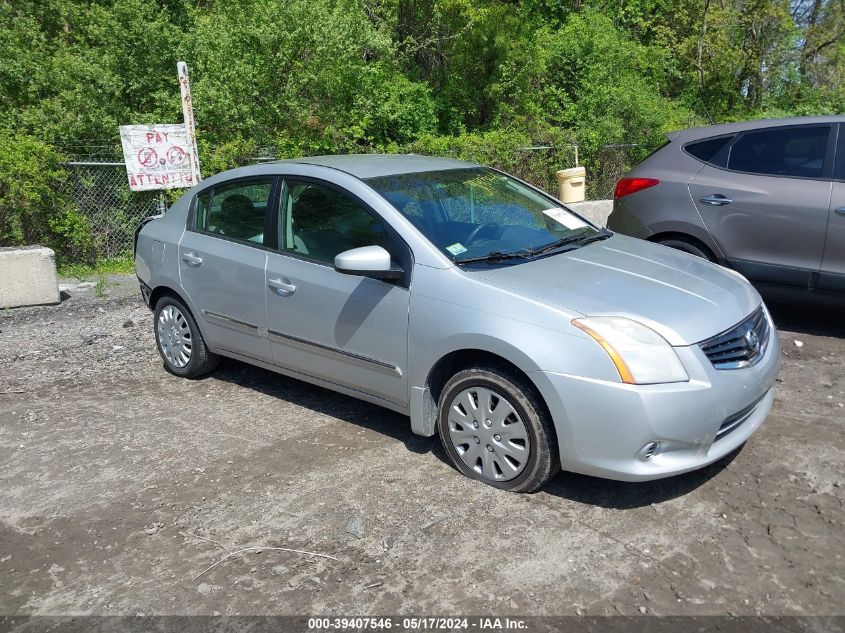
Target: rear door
x,y
832,274
222,256
765,199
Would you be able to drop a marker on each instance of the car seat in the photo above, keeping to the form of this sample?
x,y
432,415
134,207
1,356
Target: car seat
x,y
238,218
313,224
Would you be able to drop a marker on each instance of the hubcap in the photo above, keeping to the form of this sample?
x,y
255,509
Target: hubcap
x,y
488,434
174,336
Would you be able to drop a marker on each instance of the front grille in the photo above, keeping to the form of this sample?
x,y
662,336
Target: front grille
x,y
741,346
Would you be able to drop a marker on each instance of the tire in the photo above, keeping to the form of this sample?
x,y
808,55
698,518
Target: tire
x,y
179,340
496,465
689,245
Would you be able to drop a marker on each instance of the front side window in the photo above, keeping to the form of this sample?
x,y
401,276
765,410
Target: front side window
x,y
236,210
795,152
320,222
470,213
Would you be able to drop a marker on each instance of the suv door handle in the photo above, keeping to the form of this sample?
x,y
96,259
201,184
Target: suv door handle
x,y
839,210
192,259
281,287
716,199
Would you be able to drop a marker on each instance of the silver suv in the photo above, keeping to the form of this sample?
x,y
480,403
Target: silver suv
x,y
766,198
527,337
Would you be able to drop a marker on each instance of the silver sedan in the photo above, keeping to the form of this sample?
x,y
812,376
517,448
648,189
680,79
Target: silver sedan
x,y
528,338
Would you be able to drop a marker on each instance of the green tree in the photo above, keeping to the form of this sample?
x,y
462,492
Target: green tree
x,y
33,209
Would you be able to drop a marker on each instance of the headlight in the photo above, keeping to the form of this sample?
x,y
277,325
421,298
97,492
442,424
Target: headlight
x,y
640,354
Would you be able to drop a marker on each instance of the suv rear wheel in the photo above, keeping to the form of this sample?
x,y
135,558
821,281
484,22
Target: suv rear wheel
x,y
688,245
495,428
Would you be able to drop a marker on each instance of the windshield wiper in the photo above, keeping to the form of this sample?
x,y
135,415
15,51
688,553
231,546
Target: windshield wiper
x,y
496,256
580,240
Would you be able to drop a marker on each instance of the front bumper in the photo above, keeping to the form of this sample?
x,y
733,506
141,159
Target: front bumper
x,y
604,427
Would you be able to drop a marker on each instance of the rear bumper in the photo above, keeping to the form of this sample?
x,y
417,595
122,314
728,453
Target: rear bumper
x,y
146,291
605,427
623,221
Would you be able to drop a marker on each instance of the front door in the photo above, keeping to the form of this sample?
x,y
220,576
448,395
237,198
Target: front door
x,y
346,329
221,265
768,206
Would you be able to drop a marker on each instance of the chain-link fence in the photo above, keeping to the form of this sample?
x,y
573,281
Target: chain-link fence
x,y
97,184
607,165
101,193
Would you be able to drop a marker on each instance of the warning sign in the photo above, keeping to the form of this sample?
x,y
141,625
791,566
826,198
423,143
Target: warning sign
x,y
157,157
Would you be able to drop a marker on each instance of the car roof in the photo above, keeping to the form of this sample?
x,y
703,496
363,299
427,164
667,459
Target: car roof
x,y
695,133
365,166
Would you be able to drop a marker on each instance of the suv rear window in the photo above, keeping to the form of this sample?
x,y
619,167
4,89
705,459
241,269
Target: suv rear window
x,y
797,151
708,148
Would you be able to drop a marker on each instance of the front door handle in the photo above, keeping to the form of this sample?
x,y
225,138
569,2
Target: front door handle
x,y
281,287
839,210
192,259
716,199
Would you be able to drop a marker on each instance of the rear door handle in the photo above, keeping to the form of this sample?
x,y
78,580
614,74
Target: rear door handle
x,y
281,287
716,199
192,259
839,210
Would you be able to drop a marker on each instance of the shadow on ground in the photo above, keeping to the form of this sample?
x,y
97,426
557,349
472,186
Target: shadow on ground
x,y
579,488
327,402
806,311
624,495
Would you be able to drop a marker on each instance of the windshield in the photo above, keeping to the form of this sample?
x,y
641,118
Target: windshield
x,y
478,212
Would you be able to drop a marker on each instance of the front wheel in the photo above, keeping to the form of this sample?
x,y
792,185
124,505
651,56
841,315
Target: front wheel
x,y
180,341
495,428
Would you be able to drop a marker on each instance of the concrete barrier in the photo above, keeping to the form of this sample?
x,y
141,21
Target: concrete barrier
x,y
594,210
27,276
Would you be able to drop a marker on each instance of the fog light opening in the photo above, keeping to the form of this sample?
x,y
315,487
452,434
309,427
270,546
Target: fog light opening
x,y
649,451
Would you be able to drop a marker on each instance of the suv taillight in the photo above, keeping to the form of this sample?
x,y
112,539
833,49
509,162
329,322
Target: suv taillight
x,y
627,186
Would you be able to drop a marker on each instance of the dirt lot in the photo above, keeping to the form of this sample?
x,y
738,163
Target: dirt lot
x,y
121,484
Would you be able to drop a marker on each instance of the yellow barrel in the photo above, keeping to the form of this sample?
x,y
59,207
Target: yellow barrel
x,y
572,183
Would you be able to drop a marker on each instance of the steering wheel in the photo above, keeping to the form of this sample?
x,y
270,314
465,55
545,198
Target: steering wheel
x,y
477,230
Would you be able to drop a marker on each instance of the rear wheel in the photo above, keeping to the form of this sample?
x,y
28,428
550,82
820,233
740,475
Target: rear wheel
x,y
495,428
688,245
180,341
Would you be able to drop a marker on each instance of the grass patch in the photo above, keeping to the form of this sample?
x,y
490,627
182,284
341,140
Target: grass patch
x,y
102,285
111,266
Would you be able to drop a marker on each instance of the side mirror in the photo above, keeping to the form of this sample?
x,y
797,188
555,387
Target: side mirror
x,y
367,261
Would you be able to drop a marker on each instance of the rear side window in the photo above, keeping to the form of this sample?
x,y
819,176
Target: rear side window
x,y
707,149
796,152
840,155
236,210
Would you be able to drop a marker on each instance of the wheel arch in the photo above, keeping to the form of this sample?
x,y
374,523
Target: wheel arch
x,y
424,400
705,246
162,291
686,230
165,290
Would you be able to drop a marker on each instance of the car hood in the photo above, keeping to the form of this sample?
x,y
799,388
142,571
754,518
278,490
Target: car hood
x,y
684,298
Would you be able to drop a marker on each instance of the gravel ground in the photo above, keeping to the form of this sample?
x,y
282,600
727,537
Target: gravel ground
x,y
121,485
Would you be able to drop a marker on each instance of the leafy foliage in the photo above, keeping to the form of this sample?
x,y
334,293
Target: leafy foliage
x,y
31,209
481,79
